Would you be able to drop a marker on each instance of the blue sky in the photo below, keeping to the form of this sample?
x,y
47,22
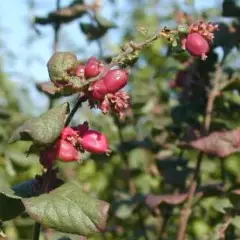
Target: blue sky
x,y
25,53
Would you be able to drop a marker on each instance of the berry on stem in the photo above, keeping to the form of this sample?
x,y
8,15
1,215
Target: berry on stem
x,y
94,142
66,152
115,79
200,37
68,132
93,67
98,90
196,45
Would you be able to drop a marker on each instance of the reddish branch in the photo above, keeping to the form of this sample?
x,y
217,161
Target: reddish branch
x,y
187,209
224,227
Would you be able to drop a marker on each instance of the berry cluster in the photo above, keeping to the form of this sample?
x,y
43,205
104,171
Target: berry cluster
x,y
200,36
105,93
72,142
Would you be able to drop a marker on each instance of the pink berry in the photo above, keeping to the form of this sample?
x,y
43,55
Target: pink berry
x,y
94,142
114,80
196,45
68,132
80,70
98,90
66,152
93,68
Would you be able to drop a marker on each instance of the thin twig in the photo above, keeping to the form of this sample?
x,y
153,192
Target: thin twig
x,y
36,232
224,227
223,171
142,225
80,100
187,209
56,27
131,186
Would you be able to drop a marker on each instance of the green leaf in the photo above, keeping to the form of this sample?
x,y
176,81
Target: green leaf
x,y
220,205
10,204
21,161
232,97
236,222
45,129
124,211
68,209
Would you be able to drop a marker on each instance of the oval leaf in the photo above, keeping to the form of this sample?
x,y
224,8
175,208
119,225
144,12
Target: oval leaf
x,y
68,209
221,144
45,129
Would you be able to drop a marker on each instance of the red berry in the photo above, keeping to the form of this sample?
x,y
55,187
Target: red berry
x,y
68,132
197,45
66,152
116,79
80,69
99,90
93,68
94,142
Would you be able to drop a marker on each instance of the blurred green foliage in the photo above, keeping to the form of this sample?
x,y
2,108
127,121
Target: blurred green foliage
x,y
146,158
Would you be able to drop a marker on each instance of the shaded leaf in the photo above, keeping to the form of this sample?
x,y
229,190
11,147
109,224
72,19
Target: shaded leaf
x,y
68,209
25,189
236,221
105,23
175,170
234,197
45,129
74,2
221,205
221,144
4,114
91,31
126,204
20,160
231,8
10,204
153,201
64,15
